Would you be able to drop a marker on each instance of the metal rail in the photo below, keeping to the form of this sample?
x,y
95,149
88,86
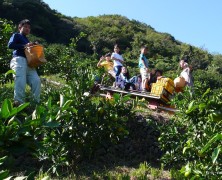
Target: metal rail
x,y
134,93
155,102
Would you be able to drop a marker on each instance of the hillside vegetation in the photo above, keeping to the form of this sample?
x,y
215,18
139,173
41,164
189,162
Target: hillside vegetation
x,y
97,35
69,131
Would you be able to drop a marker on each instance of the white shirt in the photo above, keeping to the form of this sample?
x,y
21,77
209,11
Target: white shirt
x,y
187,76
117,56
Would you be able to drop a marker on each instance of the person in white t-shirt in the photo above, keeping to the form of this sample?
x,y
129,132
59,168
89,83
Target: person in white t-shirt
x,y
186,73
118,61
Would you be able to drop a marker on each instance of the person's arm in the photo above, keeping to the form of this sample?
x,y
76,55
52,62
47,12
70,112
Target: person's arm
x,y
99,63
116,59
17,42
159,77
143,62
120,60
12,44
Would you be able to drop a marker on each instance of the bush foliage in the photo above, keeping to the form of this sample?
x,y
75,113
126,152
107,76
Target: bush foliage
x,y
68,126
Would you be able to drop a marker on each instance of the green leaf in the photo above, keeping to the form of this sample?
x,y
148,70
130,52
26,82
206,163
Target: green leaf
x,y
202,106
22,106
2,160
126,98
46,178
8,178
18,109
116,97
190,106
49,103
13,121
184,149
66,104
210,142
216,153
4,174
9,72
207,92
21,178
52,124
34,122
5,113
62,100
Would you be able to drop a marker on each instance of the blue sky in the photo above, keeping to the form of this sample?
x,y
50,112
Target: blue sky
x,y
195,22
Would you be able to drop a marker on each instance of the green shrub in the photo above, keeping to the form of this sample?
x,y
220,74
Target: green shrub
x,y
191,140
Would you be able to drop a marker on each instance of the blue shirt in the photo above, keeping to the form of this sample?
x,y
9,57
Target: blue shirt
x,y
18,42
146,62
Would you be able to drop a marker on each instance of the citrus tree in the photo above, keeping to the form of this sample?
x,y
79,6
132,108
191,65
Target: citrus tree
x,y
192,140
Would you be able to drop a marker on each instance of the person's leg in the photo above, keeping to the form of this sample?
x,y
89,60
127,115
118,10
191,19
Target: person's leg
x,y
133,86
145,78
34,82
145,83
127,86
118,71
19,65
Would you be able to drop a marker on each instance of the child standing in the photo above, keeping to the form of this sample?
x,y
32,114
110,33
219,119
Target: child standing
x,y
143,65
23,73
118,60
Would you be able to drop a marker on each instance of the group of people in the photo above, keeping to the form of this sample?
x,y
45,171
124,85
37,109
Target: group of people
x,y
113,63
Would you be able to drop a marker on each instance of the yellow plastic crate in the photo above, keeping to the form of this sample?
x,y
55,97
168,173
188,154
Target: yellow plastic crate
x,y
159,90
165,80
167,83
169,88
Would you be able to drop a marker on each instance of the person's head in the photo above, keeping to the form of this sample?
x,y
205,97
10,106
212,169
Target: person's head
x,y
124,70
108,56
24,27
139,79
144,49
158,73
185,58
153,71
116,49
183,64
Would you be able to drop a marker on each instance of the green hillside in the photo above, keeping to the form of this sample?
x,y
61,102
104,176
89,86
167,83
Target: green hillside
x,y
76,133
102,31
46,23
99,34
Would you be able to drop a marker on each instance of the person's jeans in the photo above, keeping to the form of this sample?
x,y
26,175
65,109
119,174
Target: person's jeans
x,y
25,75
117,70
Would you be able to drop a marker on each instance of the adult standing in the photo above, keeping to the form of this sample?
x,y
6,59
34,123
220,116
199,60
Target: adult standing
x,y
23,73
118,61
